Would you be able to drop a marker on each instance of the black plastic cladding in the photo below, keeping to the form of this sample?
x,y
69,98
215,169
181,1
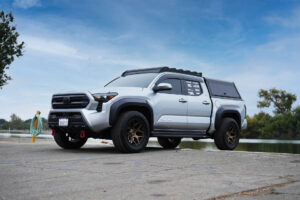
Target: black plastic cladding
x,y
159,70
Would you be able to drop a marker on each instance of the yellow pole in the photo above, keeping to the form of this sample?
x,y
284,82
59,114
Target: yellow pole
x,y
35,124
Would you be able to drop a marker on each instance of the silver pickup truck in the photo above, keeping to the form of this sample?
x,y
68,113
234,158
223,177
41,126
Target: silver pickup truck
x,y
163,102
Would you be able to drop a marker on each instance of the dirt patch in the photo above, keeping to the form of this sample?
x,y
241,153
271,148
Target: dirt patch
x,y
158,195
295,161
258,191
156,181
113,163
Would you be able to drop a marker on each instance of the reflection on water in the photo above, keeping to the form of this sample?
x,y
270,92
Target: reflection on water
x,y
258,147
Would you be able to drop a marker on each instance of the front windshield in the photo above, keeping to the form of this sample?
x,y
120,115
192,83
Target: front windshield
x,y
135,80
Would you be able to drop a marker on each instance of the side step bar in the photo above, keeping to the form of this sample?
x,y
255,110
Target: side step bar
x,y
180,133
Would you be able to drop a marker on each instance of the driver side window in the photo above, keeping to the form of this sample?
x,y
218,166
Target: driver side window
x,y
176,86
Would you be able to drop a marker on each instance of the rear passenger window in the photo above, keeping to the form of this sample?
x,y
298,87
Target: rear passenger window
x,y
192,88
176,86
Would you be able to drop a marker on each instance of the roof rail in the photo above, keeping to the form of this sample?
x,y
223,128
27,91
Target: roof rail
x,y
159,70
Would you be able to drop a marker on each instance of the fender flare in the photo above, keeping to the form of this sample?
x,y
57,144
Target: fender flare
x,y
117,106
224,110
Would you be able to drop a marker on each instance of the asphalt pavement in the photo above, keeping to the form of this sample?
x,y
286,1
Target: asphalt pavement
x,y
42,170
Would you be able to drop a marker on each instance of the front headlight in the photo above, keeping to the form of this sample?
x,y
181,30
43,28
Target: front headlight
x,y
104,97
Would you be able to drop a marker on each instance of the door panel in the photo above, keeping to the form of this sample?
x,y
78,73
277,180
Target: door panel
x,y
170,107
199,106
198,122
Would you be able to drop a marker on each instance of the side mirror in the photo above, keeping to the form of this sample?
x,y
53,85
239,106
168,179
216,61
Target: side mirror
x,y
162,86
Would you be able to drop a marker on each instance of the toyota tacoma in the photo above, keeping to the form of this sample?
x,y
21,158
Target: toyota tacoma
x,y
163,102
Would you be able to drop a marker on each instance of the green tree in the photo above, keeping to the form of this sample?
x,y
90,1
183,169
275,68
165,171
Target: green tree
x,y
256,126
15,122
297,120
2,121
26,124
9,46
281,100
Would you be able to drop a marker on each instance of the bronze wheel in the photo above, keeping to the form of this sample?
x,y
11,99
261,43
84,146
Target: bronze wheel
x,y
227,135
231,134
131,132
136,129
169,143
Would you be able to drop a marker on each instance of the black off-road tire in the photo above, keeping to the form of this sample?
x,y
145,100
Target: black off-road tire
x,y
65,142
131,132
228,135
169,143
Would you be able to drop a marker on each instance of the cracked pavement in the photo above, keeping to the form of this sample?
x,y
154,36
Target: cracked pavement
x,y
44,171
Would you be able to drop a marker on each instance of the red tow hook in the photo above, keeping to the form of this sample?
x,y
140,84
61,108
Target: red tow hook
x,y
82,134
53,132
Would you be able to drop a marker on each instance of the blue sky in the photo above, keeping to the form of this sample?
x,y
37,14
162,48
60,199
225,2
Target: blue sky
x,y
81,45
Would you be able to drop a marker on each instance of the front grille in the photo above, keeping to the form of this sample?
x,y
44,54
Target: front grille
x,y
70,101
75,119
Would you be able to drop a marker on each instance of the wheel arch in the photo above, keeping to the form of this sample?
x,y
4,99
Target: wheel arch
x,y
131,104
225,111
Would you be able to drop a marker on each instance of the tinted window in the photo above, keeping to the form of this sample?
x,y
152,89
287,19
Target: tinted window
x,y
136,80
192,88
222,89
176,86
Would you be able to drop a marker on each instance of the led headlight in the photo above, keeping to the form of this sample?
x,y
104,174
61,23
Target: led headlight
x,y
104,97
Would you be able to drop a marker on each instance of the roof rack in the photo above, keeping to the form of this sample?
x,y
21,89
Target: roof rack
x,y
159,70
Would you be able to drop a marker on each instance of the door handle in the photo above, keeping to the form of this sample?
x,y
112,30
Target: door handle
x,y
205,102
182,100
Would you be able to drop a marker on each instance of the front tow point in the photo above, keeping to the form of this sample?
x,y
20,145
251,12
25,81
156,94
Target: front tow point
x,y
82,134
53,132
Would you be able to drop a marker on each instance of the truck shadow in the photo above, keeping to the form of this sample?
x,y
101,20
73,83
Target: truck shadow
x,y
106,150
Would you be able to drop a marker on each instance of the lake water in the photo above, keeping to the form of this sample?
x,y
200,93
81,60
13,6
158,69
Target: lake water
x,y
258,146
255,145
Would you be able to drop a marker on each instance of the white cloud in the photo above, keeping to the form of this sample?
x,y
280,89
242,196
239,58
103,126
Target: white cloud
x,y
53,47
291,21
26,3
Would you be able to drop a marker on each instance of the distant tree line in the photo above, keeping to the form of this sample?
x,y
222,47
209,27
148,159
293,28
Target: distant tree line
x,y
284,124
16,123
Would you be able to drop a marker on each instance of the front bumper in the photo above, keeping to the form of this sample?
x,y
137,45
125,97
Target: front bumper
x,y
81,119
84,116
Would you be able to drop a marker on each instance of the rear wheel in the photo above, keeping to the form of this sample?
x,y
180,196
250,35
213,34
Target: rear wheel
x,y
131,132
169,143
64,140
228,135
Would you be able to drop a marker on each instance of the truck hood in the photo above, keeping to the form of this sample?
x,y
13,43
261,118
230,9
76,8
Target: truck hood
x,y
119,90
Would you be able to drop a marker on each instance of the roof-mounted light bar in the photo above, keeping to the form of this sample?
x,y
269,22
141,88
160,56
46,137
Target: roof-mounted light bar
x,y
159,70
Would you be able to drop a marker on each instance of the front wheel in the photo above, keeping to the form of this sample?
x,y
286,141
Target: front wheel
x,y
228,135
169,143
131,132
65,141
